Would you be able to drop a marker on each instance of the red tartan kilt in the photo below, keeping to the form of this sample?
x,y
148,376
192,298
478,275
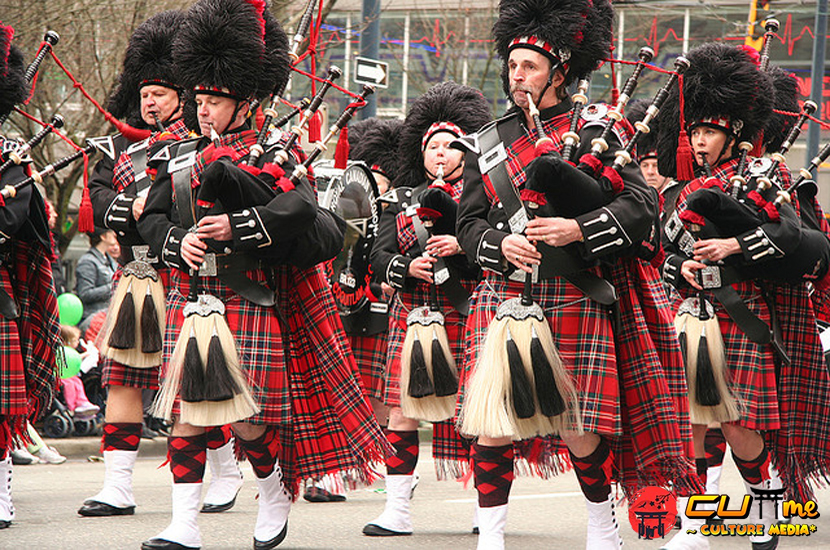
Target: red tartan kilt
x,y
751,366
258,337
402,304
370,354
12,373
583,335
117,374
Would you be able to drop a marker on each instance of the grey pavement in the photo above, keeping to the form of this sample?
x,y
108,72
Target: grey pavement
x,y
543,514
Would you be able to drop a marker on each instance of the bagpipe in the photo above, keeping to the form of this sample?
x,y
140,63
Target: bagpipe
x,y
11,190
520,387
18,155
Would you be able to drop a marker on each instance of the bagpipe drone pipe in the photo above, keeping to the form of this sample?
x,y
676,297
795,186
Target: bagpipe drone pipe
x,y
557,187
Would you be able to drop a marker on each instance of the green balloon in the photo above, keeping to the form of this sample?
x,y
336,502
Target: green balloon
x,y
72,363
70,309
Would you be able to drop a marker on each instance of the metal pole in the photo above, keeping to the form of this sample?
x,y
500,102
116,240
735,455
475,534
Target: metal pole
x,y
620,45
817,76
405,75
370,46
347,60
687,16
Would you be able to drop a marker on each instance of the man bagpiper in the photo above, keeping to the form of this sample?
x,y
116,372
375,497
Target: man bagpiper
x,y
147,96
406,255
271,332
609,341
29,329
773,401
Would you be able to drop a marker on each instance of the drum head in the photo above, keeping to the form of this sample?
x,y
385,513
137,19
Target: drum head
x,y
353,196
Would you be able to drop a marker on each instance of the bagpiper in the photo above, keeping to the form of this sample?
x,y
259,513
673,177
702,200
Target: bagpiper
x,y
147,96
247,300
764,378
29,329
427,269
603,307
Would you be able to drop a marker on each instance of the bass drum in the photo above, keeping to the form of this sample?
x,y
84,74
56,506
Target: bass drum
x,y
353,196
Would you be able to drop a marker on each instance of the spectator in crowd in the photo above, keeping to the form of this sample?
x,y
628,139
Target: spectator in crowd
x,y
94,274
73,387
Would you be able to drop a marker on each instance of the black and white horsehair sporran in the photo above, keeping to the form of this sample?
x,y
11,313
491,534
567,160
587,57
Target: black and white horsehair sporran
x,y
520,387
701,341
204,369
134,336
429,375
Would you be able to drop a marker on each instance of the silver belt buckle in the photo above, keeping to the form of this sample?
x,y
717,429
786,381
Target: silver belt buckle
x,y
141,253
710,277
208,267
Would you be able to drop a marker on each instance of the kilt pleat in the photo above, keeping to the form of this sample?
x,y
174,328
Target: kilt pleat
x,y
370,355
656,445
333,428
801,446
13,401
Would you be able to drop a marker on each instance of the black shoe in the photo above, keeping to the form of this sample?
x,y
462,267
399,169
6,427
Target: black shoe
x,y
318,494
161,544
216,508
771,544
93,508
148,433
372,530
475,530
273,543
4,524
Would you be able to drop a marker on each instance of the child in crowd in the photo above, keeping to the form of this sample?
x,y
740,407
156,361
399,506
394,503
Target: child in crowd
x,y
73,387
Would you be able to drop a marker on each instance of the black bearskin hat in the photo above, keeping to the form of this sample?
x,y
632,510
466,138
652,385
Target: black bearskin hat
x,y
722,87
233,48
148,60
635,111
575,32
13,85
786,99
463,107
375,142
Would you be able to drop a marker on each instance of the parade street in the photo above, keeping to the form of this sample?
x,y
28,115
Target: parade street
x,y
543,514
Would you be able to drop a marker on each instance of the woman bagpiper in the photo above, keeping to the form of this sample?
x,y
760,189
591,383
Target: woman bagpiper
x,y
766,383
405,256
